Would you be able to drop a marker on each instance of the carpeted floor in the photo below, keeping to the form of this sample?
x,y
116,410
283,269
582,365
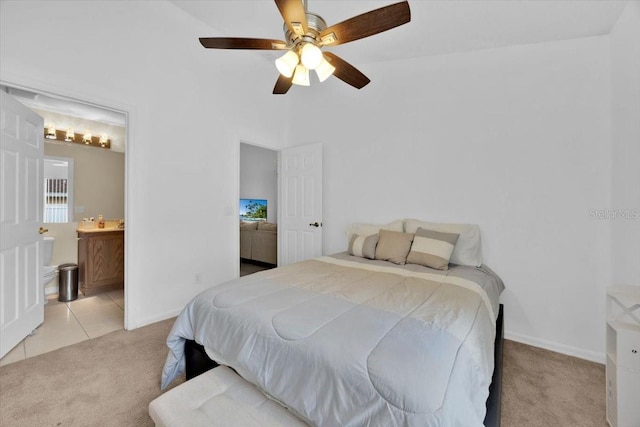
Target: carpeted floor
x,y
247,268
106,381
109,381
543,388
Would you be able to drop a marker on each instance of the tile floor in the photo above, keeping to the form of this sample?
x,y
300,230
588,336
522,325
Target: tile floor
x,y
67,323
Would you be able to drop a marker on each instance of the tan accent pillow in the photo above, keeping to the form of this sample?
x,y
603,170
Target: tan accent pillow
x,y
362,229
432,248
394,246
267,226
468,250
363,246
248,225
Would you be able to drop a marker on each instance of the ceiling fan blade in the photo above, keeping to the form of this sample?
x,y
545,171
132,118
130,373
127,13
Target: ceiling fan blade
x,y
347,72
294,16
367,24
242,43
282,85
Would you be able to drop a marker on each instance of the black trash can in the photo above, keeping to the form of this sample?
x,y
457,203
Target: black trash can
x,y
67,282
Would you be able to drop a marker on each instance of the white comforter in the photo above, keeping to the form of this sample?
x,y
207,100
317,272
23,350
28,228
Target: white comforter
x,y
343,342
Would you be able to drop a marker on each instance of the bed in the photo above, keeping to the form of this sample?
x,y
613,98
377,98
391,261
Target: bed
x,y
346,340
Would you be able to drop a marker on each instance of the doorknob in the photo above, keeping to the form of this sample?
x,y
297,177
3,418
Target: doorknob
x,y
42,230
315,224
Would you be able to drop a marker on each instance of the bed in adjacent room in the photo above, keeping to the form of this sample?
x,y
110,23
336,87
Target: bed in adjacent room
x,y
352,340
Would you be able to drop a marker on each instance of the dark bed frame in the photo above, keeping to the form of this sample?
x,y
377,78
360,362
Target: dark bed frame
x,y
198,362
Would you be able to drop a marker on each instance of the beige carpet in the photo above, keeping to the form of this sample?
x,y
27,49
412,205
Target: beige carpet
x,y
247,268
109,381
543,388
106,381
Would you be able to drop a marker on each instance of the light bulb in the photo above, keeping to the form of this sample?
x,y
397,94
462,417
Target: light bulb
x,y
286,64
311,56
301,76
324,70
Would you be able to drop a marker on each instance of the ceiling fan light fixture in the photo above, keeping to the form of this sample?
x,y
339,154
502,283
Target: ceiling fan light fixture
x,y
301,76
324,70
287,63
311,56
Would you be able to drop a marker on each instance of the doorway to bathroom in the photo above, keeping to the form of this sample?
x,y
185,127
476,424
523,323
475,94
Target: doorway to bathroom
x,y
84,178
258,208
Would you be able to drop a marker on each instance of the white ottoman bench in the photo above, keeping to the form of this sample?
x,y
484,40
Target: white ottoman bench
x,y
219,397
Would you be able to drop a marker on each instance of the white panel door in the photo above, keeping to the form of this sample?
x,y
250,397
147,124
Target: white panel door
x,y
300,224
21,163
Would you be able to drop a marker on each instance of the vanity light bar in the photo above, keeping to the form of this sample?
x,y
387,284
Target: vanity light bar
x,y
100,141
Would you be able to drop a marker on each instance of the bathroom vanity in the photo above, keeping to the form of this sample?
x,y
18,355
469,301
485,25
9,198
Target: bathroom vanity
x,y
100,260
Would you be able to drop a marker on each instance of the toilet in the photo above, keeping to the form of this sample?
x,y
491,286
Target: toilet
x,y
48,271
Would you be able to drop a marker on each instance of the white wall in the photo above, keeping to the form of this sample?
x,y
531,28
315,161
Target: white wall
x,y
625,135
183,128
258,177
514,139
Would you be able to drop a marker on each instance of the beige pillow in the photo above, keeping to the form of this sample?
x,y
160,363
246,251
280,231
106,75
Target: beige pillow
x,y
468,250
248,225
394,246
432,248
363,246
362,229
267,226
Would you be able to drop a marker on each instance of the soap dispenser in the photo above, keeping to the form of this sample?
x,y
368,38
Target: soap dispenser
x,y
100,221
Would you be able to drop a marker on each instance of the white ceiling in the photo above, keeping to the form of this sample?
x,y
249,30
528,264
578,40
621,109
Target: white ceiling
x,y
78,115
436,27
67,107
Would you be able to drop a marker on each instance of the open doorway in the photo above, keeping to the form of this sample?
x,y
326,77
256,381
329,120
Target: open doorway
x,y
258,209
84,177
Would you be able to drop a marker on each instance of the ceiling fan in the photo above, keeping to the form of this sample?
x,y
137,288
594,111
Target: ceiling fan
x,y
307,33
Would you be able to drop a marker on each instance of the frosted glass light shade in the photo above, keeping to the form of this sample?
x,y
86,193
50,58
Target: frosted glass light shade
x,y
301,76
286,64
86,138
70,136
51,131
311,56
324,70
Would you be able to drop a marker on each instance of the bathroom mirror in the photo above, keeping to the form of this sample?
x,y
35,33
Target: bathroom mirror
x,y
58,190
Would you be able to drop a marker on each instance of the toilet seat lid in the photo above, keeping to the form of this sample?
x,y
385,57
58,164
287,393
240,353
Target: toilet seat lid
x,y
49,269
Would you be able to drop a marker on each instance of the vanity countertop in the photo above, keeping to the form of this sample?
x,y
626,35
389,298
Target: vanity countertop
x,y
98,230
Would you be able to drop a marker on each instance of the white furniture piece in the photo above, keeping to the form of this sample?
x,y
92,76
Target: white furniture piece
x,y
623,356
219,398
48,271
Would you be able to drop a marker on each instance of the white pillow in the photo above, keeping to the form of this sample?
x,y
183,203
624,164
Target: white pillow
x,y
467,250
362,229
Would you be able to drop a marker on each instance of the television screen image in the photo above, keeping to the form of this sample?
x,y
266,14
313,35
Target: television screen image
x,y
253,210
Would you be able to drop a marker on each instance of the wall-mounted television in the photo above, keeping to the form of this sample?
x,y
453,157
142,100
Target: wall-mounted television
x,y
253,210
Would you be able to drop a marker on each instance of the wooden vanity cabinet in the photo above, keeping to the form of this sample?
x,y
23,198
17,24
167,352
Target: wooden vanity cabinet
x,y
100,261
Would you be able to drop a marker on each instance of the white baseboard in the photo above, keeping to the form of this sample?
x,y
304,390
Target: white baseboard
x,y
157,318
557,347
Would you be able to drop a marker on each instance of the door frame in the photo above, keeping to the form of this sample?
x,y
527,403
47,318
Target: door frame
x,y
236,207
127,111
